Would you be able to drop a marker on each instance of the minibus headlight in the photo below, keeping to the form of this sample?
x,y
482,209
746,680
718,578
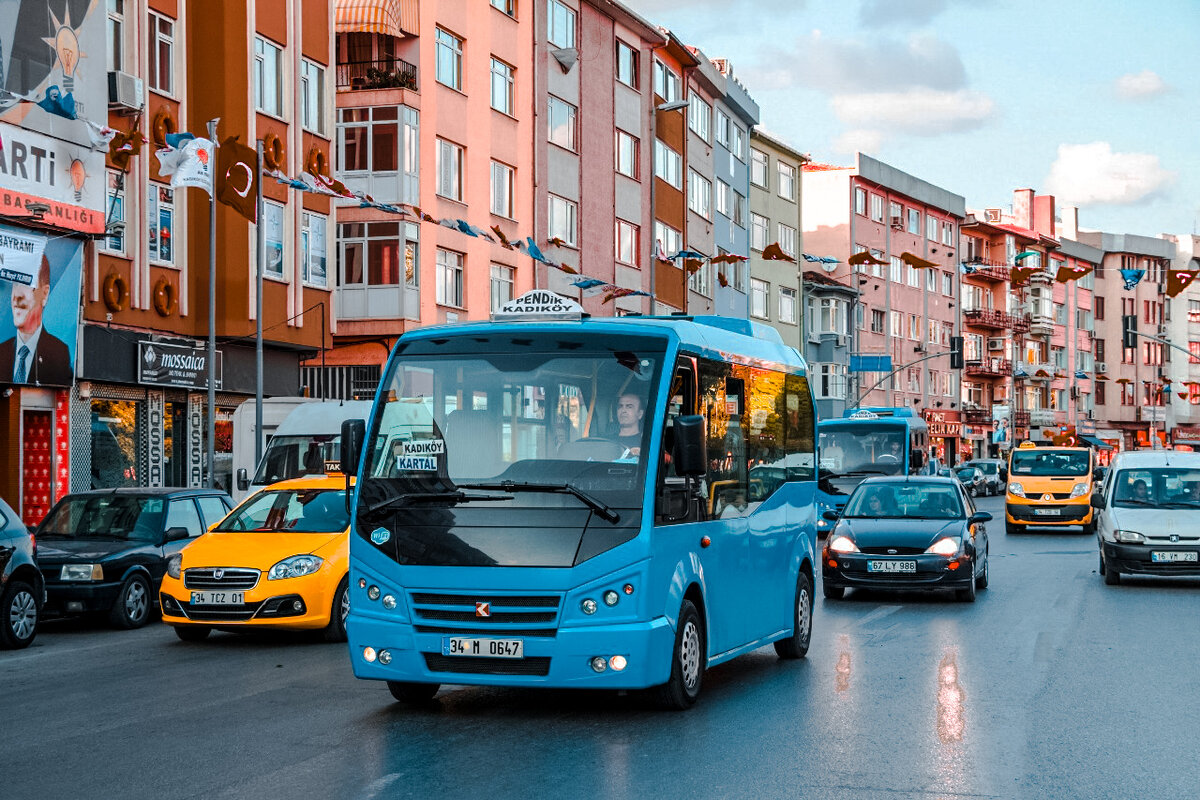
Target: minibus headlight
x,y
1079,490
1129,537
1016,489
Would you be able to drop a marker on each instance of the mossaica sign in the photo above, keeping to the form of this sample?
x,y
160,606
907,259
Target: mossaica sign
x,y
175,365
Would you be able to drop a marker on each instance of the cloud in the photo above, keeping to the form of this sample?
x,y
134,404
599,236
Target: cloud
x,y
650,9
860,140
920,111
884,13
1144,84
1092,174
843,66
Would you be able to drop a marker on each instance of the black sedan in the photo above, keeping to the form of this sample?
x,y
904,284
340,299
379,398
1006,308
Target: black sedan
x,y
20,581
106,551
907,533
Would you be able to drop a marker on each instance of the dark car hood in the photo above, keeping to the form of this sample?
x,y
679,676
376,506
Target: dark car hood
x,y
55,551
899,532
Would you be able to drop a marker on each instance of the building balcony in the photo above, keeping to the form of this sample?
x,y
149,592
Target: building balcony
x,y
384,73
987,270
1021,419
1041,325
989,318
1043,416
977,416
1034,370
1021,323
988,368
1042,278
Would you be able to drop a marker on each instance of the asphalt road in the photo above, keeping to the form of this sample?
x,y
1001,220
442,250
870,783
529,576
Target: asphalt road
x,y
1051,685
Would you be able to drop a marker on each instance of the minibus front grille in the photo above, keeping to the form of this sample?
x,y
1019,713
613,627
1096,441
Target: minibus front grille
x,y
498,601
536,665
548,633
496,617
487,613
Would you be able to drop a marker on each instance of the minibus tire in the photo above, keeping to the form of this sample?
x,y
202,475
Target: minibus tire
x,y
1012,529
796,645
1111,576
676,694
413,693
1090,529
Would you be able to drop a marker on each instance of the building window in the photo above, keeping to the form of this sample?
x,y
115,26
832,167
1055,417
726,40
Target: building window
x,y
114,215
562,123
723,190
449,170
877,208
723,128
312,96
787,180
627,243
914,221
831,382
787,239
161,66
450,278
860,201
669,240
313,249
787,305
739,209
563,219
561,25
115,35
273,233
507,6
914,327
502,285
931,229
268,77
699,194
503,185
738,145
627,65
668,165
448,67
760,228
931,282
895,214
831,316
502,87
160,219
370,255
877,320
912,277
948,233
760,292
758,168
700,117
897,324
896,270
666,83
948,284
627,155
700,281
382,140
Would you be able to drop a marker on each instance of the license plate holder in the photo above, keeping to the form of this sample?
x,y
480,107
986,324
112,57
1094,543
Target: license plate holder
x,y
892,566
1174,556
218,598
477,647
1046,512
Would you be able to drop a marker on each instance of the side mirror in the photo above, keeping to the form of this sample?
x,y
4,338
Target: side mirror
x,y
979,516
176,534
1098,474
354,431
1004,473
243,480
831,515
688,452
1097,500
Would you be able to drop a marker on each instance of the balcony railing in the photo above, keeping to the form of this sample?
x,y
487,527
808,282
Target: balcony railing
x,y
989,367
1043,416
989,318
988,270
383,73
1041,325
1021,323
1021,419
977,416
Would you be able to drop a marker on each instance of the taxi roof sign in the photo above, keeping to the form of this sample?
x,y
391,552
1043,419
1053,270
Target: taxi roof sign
x,y
538,304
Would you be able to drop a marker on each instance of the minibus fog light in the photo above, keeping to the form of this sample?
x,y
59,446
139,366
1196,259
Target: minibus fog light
x,y
362,583
611,598
369,654
589,607
617,663
373,592
385,657
599,663
389,603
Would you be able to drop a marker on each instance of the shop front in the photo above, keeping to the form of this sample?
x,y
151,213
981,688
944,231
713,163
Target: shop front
x,y
945,436
1186,437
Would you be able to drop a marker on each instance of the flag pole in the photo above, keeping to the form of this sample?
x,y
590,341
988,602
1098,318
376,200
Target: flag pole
x,y
212,317
260,257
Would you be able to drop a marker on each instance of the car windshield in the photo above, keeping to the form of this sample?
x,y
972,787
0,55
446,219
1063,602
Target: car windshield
x,y
1161,488
986,467
913,500
1050,463
862,446
968,473
106,516
290,511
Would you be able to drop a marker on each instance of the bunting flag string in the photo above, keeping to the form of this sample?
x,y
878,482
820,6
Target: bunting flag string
x,y
1178,280
915,261
1132,278
826,259
1072,272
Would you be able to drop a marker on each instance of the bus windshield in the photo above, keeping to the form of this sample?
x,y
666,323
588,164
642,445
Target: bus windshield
x,y
858,447
1048,463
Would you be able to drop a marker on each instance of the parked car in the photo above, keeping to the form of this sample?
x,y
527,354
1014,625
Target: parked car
x,y
106,551
1148,515
279,560
21,584
907,533
993,470
972,480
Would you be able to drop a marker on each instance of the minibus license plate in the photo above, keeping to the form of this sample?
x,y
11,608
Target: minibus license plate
x,y
218,598
486,648
891,566
1166,556
1046,512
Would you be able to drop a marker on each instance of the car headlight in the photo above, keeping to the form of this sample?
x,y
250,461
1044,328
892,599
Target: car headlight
x,y
295,567
1079,490
1129,537
175,565
1016,489
843,544
81,572
946,546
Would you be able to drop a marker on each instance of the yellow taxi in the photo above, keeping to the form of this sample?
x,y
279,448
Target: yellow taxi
x,y
278,560
1049,486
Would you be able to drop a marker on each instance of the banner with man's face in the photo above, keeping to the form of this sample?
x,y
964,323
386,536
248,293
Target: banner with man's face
x,y
39,307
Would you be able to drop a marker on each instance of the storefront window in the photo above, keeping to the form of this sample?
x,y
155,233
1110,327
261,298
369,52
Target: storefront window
x,y
223,451
117,426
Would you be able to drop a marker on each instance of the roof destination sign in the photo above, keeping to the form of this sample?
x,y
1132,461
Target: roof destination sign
x,y
538,304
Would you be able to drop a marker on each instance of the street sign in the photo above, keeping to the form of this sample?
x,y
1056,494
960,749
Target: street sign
x,y
870,363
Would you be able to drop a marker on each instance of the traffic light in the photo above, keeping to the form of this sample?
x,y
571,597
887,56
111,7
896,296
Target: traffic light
x,y
956,352
1129,331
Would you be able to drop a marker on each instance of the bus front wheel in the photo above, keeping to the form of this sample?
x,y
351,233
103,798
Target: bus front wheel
x,y
413,693
796,645
687,662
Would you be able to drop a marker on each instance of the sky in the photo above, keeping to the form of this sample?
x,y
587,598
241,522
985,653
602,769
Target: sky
x,y
1094,101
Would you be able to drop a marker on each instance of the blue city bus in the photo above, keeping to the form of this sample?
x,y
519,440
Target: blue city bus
x,y
865,442
614,503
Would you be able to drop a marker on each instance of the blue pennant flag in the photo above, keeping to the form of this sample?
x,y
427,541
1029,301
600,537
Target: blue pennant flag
x,y
534,252
687,254
588,283
57,103
828,260
1083,376
465,227
967,268
176,140
814,259
1132,277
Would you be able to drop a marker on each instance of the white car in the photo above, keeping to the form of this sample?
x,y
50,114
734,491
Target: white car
x,y
1148,515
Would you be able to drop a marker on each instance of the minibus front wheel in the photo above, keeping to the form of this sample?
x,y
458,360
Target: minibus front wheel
x,y
688,658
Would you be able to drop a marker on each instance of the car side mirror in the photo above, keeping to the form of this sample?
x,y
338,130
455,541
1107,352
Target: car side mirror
x,y
1004,473
1097,500
979,516
831,515
243,480
176,534
688,454
1098,474
354,431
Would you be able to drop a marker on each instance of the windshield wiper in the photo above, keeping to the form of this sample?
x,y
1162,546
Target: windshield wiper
x,y
600,508
428,497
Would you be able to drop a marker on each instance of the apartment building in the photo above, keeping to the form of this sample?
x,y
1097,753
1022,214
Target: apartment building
x,y
1183,329
776,170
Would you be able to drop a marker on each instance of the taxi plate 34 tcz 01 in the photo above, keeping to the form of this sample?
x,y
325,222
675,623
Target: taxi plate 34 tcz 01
x,y
486,648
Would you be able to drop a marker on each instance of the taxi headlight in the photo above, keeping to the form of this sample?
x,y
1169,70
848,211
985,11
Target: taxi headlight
x,y
295,567
843,544
175,565
1129,537
1016,489
1079,490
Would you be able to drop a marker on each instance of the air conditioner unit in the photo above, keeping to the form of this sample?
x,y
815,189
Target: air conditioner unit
x,y
125,91
1101,366
842,341
1162,330
897,222
995,344
991,215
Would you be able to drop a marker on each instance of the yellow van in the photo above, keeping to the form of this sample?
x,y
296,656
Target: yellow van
x,y
278,560
1049,486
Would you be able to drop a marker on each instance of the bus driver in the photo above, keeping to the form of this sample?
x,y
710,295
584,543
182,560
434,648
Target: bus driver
x,y
630,411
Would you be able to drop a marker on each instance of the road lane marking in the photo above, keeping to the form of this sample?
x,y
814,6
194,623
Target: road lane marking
x,y
877,614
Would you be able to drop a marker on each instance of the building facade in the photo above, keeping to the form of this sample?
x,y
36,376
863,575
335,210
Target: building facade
x,y
774,216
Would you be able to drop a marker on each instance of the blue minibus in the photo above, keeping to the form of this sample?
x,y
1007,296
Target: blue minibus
x,y
615,503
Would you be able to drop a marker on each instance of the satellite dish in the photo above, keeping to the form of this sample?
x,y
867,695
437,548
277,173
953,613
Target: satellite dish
x,y
829,266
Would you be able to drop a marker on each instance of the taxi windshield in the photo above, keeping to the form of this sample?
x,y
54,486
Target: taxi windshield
x,y
290,511
1050,463
1160,488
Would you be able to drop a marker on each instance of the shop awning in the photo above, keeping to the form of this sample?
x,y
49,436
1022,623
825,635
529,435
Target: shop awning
x,y
390,17
1092,441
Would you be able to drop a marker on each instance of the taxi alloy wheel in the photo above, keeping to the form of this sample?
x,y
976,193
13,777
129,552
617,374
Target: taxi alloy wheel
x,y
335,631
132,609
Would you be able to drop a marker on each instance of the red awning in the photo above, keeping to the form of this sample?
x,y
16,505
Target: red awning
x,y
390,17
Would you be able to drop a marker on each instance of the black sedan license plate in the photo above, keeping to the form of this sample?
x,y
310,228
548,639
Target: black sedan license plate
x,y
891,566
1168,556
487,648
218,598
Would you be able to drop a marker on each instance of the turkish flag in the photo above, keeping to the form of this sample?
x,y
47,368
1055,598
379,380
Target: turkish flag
x,y
237,176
